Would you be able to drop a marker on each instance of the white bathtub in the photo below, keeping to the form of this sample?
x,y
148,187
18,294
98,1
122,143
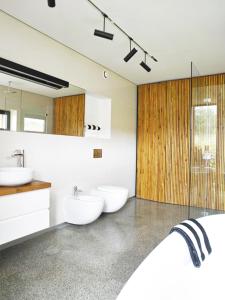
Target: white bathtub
x,y
168,272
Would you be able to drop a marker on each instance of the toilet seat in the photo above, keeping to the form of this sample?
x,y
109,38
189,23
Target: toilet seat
x,y
114,197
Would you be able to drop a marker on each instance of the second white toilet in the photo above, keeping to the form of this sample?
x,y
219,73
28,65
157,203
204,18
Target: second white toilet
x,y
115,197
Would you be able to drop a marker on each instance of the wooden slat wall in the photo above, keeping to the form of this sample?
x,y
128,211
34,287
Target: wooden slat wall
x,y
69,115
151,142
220,155
178,141
163,141
163,161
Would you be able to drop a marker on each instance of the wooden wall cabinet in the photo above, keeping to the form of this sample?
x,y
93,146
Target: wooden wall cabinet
x,y
69,115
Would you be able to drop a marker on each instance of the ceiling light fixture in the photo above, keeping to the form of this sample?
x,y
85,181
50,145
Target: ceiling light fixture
x,y
131,53
144,65
107,35
51,3
152,57
102,33
9,89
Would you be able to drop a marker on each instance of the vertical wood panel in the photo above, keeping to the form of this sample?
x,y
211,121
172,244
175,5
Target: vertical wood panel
x,y
163,141
151,142
220,154
69,115
178,118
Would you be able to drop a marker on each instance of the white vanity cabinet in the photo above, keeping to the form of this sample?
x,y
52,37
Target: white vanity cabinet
x,y
23,213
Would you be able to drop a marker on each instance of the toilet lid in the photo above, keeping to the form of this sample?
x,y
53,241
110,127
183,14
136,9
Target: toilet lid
x,y
112,188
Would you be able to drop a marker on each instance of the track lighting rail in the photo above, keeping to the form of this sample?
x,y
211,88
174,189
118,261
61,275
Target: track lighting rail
x,y
106,35
124,32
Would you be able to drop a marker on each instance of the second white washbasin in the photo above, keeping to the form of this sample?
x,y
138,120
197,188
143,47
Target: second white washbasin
x,y
15,176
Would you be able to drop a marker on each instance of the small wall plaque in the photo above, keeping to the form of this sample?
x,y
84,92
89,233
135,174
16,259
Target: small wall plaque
x,y
97,153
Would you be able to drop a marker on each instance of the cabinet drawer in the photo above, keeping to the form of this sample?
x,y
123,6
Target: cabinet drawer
x,y
24,225
15,205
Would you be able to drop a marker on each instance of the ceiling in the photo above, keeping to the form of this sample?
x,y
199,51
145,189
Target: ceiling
x,y
176,32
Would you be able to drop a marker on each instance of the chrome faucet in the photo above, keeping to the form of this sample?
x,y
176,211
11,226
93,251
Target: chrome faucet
x,y
19,154
76,191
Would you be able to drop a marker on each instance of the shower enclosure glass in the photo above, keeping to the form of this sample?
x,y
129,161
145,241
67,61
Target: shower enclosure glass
x,y
207,168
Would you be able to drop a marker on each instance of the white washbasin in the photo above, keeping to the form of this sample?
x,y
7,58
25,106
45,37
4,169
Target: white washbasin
x,y
15,176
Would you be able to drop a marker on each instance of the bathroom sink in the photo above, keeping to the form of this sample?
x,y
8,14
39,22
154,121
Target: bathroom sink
x,y
15,176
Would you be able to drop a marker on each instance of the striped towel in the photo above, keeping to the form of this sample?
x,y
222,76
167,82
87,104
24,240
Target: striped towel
x,y
195,237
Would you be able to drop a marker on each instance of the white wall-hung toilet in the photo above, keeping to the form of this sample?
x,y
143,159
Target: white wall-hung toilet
x,y
114,197
83,209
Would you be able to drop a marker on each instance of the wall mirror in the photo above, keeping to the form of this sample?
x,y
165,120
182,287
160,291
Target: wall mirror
x,y
29,107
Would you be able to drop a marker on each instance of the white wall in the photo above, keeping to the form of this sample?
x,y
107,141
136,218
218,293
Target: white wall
x,y
66,161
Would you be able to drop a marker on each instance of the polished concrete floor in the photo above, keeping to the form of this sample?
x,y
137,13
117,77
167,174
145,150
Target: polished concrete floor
x,y
90,262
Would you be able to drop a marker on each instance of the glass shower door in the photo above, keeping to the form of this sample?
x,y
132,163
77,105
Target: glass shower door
x,y
206,176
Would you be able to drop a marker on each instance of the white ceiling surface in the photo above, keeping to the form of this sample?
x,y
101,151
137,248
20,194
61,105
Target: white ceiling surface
x,y
20,84
176,32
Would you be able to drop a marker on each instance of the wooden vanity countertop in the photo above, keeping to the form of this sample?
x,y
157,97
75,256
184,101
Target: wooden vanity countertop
x,y
32,186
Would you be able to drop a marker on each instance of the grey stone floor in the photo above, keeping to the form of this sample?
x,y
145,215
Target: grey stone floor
x,y
90,262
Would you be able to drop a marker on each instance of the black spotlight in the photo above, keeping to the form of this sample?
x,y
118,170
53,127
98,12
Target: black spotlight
x,y
131,53
152,57
144,65
51,3
102,33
